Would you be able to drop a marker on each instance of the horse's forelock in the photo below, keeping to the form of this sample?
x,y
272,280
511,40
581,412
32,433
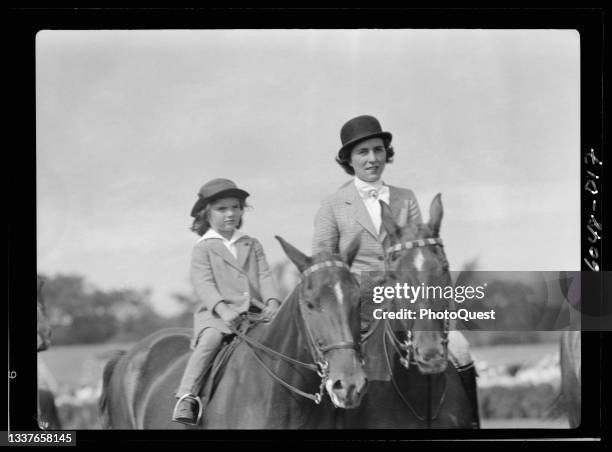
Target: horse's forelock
x,y
412,231
324,256
328,276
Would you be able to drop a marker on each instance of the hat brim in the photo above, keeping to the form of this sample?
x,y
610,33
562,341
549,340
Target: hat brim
x,y
229,193
384,135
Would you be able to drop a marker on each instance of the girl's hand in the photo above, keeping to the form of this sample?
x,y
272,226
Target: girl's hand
x,y
270,308
228,315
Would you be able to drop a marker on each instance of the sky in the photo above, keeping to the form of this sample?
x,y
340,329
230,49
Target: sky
x,y
130,124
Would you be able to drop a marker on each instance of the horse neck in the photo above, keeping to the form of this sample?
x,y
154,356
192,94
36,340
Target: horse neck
x,y
285,333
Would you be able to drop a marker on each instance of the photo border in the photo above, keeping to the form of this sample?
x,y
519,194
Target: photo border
x,y
25,23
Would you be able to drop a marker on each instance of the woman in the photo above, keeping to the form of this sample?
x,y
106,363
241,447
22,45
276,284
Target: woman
x,y
355,208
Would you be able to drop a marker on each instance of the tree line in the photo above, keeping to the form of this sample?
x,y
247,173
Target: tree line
x,y
81,313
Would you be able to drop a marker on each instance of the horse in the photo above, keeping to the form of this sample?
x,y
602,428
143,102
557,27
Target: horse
x,y
570,345
43,326
411,385
48,417
278,373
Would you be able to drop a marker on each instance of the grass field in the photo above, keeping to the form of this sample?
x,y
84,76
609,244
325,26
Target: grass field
x,y
524,354
74,365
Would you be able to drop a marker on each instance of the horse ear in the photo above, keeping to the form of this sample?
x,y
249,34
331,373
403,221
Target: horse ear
x,y
349,255
392,228
402,218
301,261
435,214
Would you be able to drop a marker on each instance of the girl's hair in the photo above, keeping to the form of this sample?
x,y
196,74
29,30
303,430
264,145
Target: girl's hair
x,y
344,156
200,223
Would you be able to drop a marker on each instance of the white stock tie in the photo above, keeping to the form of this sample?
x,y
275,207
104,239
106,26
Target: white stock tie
x,y
373,205
371,199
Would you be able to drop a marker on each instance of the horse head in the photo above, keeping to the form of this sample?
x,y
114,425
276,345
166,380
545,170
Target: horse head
x,y
328,298
416,257
43,327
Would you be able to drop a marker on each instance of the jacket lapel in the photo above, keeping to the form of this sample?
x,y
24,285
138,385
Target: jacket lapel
x,y
219,248
358,210
243,245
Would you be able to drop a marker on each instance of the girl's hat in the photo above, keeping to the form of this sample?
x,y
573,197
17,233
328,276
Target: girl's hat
x,y
216,189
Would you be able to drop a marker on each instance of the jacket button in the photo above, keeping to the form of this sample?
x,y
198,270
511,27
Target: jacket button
x,y
381,258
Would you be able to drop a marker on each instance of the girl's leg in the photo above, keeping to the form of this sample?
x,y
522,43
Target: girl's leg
x,y
187,408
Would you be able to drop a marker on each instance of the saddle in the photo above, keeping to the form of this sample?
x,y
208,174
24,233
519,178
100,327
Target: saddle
x,y
212,376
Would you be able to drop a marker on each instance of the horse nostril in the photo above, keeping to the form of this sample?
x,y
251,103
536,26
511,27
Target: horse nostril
x,y
337,385
365,385
430,356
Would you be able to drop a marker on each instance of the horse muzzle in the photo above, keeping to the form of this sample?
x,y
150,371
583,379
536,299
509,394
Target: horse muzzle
x,y
430,369
347,392
433,362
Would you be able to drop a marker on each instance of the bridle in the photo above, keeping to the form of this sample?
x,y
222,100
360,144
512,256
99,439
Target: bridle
x,y
407,346
318,349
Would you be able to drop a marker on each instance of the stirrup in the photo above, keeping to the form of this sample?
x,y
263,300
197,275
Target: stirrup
x,y
193,397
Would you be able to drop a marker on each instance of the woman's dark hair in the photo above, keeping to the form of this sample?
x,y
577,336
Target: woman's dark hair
x,y
344,156
200,224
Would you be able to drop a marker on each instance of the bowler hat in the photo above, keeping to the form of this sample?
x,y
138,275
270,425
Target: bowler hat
x,y
215,189
359,129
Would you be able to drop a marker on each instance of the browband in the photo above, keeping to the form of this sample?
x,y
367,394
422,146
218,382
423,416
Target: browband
x,y
415,244
320,265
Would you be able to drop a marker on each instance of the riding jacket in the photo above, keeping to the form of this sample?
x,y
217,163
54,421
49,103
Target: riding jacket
x,y
217,276
343,215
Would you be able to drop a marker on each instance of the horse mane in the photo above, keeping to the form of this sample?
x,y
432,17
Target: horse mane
x,y
106,377
420,230
323,256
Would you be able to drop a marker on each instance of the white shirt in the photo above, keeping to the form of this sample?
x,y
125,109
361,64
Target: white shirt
x,y
371,194
229,244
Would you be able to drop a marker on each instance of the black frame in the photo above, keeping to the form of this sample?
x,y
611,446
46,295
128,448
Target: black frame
x,y
25,23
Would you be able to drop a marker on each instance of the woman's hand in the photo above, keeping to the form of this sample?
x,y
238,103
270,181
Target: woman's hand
x,y
271,308
228,315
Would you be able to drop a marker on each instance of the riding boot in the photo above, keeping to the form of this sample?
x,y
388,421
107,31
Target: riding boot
x,y
468,379
188,409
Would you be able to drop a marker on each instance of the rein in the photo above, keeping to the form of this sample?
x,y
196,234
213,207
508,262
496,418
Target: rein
x,y
407,345
316,346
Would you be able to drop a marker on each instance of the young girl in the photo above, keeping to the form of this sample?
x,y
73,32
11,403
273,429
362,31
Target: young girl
x,y
228,270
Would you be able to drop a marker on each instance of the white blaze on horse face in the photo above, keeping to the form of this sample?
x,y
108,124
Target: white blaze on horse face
x,y
419,260
338,292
